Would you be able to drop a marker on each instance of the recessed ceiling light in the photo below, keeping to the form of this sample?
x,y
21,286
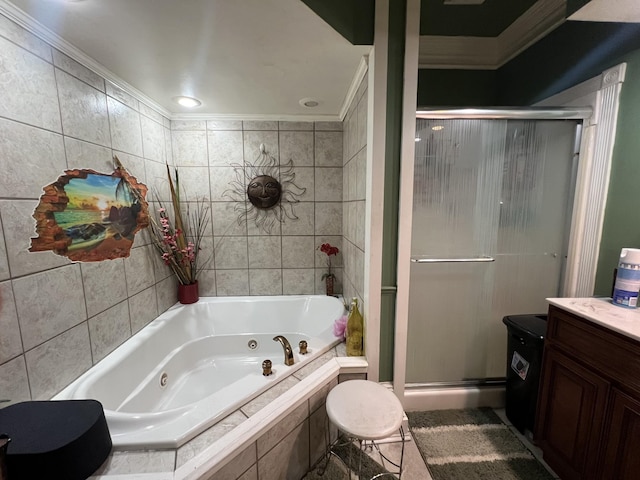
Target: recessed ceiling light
x,y
188,102
309,102
437,128
418,139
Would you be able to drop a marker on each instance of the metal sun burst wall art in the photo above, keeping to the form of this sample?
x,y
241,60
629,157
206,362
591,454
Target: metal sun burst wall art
x,y
270,189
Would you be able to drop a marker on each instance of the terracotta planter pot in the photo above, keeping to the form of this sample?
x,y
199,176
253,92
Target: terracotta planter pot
x,y
188,293
329,285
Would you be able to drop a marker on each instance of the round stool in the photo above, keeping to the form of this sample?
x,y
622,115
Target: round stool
x,y
366,411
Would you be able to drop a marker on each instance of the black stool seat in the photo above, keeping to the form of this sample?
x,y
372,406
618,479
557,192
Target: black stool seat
x,y
67,439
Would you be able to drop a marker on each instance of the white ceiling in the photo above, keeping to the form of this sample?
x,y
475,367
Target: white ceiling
x,y
239,57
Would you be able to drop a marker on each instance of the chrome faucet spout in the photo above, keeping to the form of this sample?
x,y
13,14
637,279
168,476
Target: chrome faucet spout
x,y
288,351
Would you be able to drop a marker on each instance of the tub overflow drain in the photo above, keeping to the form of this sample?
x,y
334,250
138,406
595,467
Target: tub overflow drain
x,y
252,344
163,379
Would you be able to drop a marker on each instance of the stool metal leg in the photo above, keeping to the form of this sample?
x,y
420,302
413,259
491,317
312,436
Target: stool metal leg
x,y
349,463
399,466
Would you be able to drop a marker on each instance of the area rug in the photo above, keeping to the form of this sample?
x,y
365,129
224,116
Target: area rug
x,y
472,444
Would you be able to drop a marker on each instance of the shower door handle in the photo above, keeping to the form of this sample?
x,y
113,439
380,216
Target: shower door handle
x,y
480,259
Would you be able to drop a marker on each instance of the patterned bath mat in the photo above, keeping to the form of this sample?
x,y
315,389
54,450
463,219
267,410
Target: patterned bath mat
x,y
472,444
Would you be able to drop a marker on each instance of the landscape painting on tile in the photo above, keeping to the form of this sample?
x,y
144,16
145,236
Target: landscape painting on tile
x,y
89,216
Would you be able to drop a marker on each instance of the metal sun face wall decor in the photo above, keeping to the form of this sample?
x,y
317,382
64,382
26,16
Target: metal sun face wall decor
x,y
271,201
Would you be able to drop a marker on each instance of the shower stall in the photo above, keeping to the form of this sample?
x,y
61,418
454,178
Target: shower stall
x,y
492,199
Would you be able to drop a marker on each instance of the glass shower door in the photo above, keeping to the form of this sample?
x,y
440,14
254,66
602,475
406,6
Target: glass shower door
x,y
490,217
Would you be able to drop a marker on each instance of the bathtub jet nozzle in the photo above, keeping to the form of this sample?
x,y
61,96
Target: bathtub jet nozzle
x,y
288,351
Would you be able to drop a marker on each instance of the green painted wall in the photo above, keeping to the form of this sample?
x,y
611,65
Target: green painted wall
x,y
456,88
573,53
395,84
622,214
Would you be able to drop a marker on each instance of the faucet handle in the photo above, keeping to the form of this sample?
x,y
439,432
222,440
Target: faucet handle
x,y
303,347
266,368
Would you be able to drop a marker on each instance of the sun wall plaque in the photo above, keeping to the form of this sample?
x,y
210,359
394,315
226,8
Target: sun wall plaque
x,y
270,200
89,216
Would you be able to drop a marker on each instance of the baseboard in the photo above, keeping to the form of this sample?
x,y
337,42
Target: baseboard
x,y
427,398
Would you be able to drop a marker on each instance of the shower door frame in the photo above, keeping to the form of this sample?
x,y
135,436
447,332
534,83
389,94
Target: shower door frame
x,y
581,209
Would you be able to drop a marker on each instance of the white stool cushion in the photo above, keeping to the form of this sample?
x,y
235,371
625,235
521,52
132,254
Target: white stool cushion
x,y
364,409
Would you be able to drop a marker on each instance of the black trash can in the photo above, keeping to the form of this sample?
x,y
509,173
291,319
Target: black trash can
x,y
524,360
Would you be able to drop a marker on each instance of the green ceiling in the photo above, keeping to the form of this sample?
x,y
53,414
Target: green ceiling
x,y
354,18
486,20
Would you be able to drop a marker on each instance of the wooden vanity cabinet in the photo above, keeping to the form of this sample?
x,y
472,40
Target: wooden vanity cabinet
x,y
588,421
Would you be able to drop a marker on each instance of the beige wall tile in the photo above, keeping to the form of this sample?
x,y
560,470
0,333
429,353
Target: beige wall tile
x,y
298,281
289,460
298,147
124,122
190,148
32,84
278,432
143,307
49,303
56,363
83,109
14,383
10,341
108,330
225,148
205,439
29,149
265,281
240,465
81,72
26,40
232,282
104,284
152,139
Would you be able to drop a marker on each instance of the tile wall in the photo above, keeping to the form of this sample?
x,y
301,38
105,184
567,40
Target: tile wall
x,y
216,159
58,318
354,188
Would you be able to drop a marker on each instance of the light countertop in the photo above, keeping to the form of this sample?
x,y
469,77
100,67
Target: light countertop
x,y
602,312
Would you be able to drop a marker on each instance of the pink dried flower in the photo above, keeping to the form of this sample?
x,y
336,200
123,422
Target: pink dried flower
x,y
340,327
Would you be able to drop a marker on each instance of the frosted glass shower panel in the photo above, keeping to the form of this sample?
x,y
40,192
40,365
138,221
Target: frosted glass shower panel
x,y
457,183
483,190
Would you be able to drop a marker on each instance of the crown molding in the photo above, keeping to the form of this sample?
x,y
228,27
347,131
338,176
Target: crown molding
x,y
190,117
543,17
490,53
361,71
437,51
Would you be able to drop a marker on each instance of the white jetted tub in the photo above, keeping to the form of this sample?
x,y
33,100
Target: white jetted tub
x,y
195,364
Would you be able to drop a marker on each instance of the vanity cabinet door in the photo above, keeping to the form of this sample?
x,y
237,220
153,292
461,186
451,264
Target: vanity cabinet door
x,y
622,439
571,407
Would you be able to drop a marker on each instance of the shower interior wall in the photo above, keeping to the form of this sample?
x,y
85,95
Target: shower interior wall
x,y
58,318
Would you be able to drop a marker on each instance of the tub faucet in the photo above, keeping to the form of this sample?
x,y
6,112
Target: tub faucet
x,y
288,351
